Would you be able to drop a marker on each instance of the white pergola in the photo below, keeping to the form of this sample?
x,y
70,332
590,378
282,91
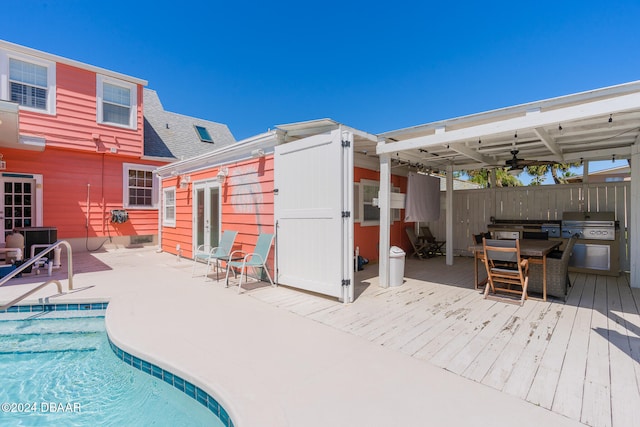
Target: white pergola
x,y
595,125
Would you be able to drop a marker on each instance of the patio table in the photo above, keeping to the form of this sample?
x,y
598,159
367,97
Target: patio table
x,y
534,249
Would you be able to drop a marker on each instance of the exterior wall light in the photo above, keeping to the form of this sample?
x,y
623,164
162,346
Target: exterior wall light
x,y
222,175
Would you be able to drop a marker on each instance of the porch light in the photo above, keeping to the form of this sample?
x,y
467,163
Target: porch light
x,y
258,153
222,175
184,181
3,164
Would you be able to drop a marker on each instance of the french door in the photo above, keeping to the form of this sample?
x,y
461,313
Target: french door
x,y
18,203
206,214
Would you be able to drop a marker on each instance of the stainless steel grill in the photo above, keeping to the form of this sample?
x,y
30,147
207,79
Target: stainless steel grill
x,y
597,247
589,225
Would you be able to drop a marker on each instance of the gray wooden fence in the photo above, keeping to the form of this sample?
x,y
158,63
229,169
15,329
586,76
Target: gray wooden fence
x,y
473,209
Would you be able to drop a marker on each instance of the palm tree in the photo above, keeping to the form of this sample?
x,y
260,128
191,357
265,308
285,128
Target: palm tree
x,y
559,172
503,178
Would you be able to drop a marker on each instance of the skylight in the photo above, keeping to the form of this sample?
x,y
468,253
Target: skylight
x,y
203,133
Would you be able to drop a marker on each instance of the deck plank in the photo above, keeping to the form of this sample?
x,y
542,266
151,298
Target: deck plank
x,y
406,314
455,335
547,377
443,323
410,336
596,406
568,397
461,352
510,357
580,358
523,374
501,347
625,398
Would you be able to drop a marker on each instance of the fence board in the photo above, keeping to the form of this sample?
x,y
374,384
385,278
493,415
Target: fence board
x,y
473,209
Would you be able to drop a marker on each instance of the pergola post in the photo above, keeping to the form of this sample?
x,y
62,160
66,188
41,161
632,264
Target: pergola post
x,y
449,216
634,219
384,202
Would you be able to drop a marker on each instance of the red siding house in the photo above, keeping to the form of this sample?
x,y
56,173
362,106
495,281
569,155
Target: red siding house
x,y
74,146
310,183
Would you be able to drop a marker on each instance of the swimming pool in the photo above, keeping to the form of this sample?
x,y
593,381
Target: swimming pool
x,y
58,368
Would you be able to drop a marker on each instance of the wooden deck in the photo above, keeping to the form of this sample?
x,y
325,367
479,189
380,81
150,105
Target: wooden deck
x,y
580,358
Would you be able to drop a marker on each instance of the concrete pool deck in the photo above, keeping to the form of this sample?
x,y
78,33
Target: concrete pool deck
x,y
268,366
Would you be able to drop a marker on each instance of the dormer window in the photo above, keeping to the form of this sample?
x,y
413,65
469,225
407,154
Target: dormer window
x,y
203,134
30,82
116,102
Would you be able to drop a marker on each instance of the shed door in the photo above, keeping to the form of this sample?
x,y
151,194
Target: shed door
x,y
313,207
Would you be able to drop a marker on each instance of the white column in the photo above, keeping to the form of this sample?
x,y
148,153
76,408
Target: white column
x,y
449,215
634,219
385,219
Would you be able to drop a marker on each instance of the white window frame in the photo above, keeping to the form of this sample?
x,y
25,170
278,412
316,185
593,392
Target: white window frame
x,y
168,220
133,101
357,203
126,167
359,199
5,85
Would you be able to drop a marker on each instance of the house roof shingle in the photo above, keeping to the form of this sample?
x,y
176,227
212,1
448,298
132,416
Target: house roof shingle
x,y
174,136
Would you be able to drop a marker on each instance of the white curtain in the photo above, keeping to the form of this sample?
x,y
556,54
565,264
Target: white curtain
x,y
423,198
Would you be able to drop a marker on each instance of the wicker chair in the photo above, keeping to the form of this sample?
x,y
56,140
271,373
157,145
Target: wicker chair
x,y
557,274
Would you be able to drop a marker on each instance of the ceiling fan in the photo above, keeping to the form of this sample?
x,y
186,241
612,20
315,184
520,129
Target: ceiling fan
x,y
516,164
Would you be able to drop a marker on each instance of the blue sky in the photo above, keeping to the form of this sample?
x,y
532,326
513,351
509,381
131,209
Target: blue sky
x,y
376,66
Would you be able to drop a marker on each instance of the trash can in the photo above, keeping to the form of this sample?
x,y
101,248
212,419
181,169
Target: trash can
x,y
396,266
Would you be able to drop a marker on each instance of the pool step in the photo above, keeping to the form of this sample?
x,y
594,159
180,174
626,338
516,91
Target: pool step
x,y
50,336
37,326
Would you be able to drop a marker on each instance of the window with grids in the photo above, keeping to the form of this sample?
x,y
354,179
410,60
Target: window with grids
x,y
139,186
28,84
169,207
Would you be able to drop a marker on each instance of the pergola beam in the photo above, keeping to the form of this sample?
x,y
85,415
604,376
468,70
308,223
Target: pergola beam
x,y
548,141
472,154
508,125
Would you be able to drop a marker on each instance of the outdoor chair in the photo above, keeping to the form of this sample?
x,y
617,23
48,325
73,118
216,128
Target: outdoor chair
x,y
477,238
557,274
479,255
256,259
511,278
419,247
434,247
209,255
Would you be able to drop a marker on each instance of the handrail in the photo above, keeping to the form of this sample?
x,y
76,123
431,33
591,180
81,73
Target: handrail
x,y
32,291
32,261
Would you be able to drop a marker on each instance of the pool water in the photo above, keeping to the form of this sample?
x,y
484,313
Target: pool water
x,y
62,371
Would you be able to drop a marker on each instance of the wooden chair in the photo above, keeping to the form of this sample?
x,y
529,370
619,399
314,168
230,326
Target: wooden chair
x,y
419,247
507,271
434,247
